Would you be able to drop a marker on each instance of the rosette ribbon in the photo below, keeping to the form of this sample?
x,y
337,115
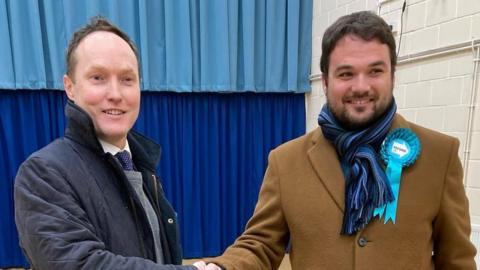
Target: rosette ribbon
x,y
399,149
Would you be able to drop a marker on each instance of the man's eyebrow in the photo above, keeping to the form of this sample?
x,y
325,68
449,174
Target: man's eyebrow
x,y
122,69
95,67
340,67
378,63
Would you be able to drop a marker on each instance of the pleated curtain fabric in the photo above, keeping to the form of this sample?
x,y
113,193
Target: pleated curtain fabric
x,y
185,46
29,120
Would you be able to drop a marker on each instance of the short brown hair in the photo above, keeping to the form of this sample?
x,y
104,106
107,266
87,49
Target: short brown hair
x,y
97,23
364,24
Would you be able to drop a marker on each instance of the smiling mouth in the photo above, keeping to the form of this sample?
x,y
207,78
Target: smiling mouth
x,y
114,112
360,101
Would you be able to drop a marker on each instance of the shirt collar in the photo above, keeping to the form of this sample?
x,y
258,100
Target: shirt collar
x,y
112,149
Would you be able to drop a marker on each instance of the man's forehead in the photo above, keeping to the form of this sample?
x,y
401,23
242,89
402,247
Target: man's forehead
x,y
104,51
105,38
103,44
352,49
353,40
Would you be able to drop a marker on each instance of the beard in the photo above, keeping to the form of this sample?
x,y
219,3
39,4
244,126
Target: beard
x,y
349,118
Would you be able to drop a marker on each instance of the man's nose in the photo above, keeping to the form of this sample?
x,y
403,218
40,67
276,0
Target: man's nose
x,y
361,83
114,91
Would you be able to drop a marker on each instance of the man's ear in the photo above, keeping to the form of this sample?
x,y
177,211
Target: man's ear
x,y
68,85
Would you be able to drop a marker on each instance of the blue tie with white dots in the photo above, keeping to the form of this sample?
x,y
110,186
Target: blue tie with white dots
x,y
125,160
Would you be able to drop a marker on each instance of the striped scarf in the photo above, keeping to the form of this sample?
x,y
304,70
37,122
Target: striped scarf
x,y
366,184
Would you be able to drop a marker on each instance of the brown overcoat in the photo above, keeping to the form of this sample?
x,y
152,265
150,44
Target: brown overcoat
x,y
302,200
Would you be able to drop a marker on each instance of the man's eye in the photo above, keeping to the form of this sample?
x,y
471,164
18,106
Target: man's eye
x,y
97,77
345,75
128,80
376,71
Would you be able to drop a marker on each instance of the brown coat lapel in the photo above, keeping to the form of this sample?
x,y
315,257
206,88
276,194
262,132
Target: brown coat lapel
x,y
324,160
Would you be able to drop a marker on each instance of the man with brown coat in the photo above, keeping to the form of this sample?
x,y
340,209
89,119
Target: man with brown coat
x,y
367,189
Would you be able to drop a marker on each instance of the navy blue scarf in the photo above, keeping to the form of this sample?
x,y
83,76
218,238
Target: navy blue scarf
x,y
366,184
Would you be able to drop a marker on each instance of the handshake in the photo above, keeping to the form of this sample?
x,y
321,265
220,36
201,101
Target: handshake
x,y
201,265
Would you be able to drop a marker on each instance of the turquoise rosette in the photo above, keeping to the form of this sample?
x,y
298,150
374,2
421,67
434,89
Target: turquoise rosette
x,y
400,148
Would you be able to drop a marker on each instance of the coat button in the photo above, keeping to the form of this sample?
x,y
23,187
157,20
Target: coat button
x,y
170,220
362,241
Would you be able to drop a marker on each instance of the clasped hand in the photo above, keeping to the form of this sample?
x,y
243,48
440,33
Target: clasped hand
x,y
201,265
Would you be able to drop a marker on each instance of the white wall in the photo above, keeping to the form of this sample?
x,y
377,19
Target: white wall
x,y
433,84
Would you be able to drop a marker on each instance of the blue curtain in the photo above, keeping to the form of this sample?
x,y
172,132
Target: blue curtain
x,y
185,45
28,121
214,153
